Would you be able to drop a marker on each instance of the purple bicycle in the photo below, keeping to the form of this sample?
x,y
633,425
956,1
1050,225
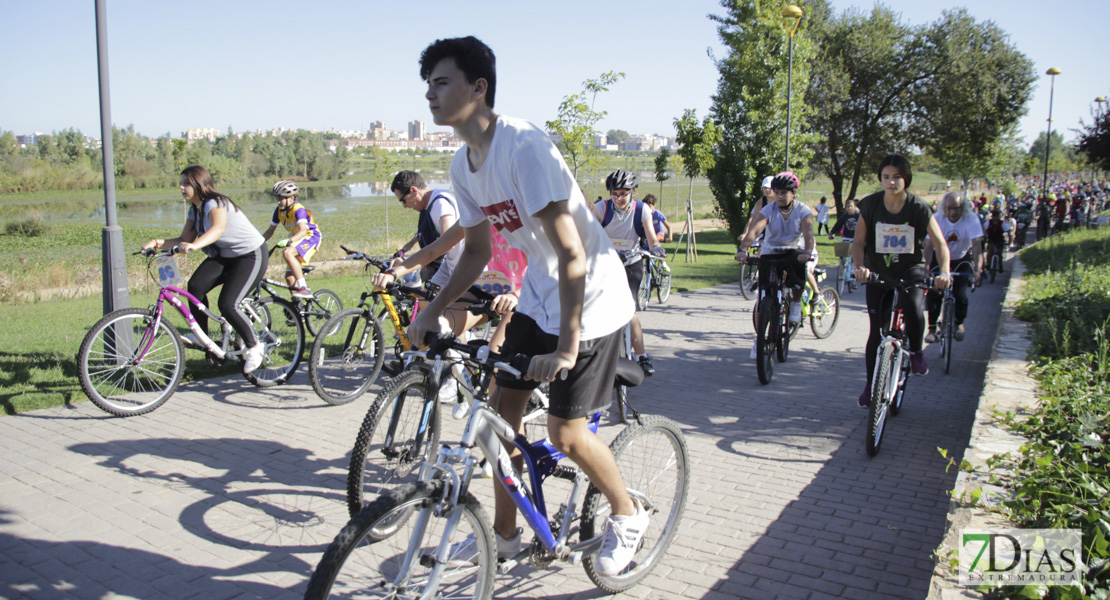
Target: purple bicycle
x,y
132,360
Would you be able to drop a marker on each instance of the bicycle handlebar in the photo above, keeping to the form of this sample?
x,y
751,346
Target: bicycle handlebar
x,y
156,252
899,284
516,365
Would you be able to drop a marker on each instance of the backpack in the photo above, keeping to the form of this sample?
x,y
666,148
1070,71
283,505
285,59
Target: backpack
x,y
638,217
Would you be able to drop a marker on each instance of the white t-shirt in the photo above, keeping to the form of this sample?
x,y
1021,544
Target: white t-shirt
x,y
441,207
523,173
622,232
960,234
784,233
823,213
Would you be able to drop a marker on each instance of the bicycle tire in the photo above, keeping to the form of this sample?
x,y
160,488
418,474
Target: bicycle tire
x,y
356,563
949,316
842,276
765,341
622,390
535,413
749,280
899,383
880,399
785,330
663,289
343,366
376,467
825,314
106,375
643,293
653,460
282,331
323,305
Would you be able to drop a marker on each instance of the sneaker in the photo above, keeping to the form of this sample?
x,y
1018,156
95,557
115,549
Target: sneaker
x,y
461,410
931,337
191,341
959,333
622,538
865,398
448,390
467,550
302,293
755,351
795,312
253,358
645,364
918,364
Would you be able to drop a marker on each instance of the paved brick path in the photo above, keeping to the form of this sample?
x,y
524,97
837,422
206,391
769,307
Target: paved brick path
x,y
232,492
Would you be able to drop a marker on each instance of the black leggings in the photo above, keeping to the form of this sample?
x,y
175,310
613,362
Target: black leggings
x,y
880,302
239,275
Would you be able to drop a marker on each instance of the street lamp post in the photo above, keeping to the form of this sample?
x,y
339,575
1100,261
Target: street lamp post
x,y
791,18
1098,107
1052,73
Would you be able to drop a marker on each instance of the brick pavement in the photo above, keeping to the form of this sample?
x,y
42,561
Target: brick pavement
x,y
229,492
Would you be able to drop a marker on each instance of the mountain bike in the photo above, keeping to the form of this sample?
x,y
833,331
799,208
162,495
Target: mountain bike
x,y
773,328
652,276
749,273
844,277
892,364
400,432
432,538
344,364
132,360
946,325
314,311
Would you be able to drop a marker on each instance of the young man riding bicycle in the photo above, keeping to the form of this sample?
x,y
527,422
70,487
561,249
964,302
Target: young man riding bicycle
x,y
628,223
573,303
962,232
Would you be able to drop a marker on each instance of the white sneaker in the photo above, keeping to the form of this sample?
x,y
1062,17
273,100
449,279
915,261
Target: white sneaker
x,y
622,538
448,390
253,358
467,550
755,351
461,410
796,312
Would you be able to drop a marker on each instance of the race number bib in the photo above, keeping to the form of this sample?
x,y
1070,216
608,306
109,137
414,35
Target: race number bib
x,y
893,239
624,245
168,271
494,283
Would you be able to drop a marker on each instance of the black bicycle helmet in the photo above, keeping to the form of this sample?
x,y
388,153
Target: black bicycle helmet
x,y
284,189
621,180
786,180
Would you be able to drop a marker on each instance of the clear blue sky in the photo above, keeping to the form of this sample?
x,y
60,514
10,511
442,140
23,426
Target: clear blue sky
x,y
334,64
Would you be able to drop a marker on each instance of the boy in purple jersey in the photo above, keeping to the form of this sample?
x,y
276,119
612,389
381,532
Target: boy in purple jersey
x,y
304,236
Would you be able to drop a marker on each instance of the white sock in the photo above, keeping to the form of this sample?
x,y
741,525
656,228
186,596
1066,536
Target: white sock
x,y
301,283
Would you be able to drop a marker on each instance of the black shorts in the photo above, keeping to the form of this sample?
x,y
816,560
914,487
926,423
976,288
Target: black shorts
x,y
589,385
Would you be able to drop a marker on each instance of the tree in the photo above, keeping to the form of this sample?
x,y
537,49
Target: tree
x,y
574,126
978,87
860,92
8,144
750,104
1093,142
616,136
696,149
661,171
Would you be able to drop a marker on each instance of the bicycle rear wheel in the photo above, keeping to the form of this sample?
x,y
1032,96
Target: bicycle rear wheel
x,y
361,564
785,331
765,340
663,287
881,395
826,313
107,367
653,459
323,305
622,390
947,333
343,365
749,280
381,461
280,328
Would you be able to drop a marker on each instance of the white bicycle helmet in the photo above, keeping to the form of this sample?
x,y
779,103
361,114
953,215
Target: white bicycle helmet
x,y
285,188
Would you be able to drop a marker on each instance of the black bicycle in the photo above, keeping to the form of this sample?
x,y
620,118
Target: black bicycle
x,y
314,311
946,326
773,329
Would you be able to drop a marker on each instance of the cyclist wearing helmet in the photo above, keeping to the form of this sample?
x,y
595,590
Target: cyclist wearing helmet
x,y
628,223
789,226
304,236
890,240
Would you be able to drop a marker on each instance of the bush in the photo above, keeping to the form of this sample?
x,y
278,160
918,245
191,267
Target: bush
x,y
32,227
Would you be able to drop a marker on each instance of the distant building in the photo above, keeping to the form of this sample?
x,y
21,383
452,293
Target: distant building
x,y
416,130
377,131
28,140
208,133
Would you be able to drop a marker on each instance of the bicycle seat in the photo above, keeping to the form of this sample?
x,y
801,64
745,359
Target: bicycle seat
x,y
629,373
308,269
819,273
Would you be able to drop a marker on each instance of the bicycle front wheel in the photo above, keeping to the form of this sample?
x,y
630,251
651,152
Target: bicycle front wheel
x,y
948,330
881,395
399,433
281,330
749,280
663,287
343,365
323,305
826,313
653,459
110,372
765,340
643,294
784,331
360,564
842,276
